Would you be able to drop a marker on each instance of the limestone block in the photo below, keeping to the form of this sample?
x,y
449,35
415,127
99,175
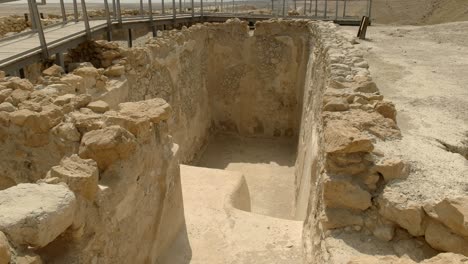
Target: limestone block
x,y
81,175
453,213
35,214
89,74
98,106
7,107
107,145
337,218
336,104
53,70
367,259
5,254
30,105
87,121
396,208
392,168
62,88
115,71
137,116
386,109
5,93
344,194
444,258
365,87
18,96
384,232
76,83
18,83
67,131
340,137
64,99
440,238
2,75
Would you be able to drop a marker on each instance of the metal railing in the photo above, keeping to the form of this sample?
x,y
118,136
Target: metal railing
x,y
114,16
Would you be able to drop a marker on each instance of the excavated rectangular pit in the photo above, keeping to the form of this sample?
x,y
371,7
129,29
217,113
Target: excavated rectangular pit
x,y
267,165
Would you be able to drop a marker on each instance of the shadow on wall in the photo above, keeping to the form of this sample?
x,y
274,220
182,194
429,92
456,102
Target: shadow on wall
x,y
180,251
224,149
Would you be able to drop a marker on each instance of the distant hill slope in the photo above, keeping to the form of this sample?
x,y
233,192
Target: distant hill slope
x,y
419,12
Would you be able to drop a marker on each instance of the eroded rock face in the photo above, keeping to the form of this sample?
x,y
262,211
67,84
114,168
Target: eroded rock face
x,y
5,254
45,212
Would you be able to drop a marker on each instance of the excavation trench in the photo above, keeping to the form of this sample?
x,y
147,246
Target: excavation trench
x,y
212,139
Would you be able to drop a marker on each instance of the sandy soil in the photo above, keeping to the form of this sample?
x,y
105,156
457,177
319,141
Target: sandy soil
x,y
423,70
267,165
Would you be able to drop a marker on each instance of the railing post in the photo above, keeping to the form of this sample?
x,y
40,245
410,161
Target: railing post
x,y
273,6
316,8
233,6
85,19
325,10
141,8
284,7
162,6
336,11
174,14
109,24
114,9
201,7
130,38
37,22
64,14
370,10
180,6
344,8
75,10
119,13
31,15
193,8
150,6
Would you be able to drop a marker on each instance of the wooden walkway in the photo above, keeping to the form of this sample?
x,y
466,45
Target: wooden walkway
x,y
17,52
29,45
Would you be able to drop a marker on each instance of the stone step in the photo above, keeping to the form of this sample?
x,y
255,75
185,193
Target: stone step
x,y
221,229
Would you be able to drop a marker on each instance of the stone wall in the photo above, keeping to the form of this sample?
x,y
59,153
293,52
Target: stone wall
x,y
95,152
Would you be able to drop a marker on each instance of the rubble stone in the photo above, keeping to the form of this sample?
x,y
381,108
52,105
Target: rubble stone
x,y
46,211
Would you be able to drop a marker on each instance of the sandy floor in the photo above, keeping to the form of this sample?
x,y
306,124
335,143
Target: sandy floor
x,y
268,166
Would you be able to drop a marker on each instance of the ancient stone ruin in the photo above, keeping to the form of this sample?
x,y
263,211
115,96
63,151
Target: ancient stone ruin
x,y
107,163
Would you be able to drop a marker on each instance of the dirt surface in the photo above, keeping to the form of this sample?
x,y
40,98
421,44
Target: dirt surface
x,y
267,165
423,71
418,12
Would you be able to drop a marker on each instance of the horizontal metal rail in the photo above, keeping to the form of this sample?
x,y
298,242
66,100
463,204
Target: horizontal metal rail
x,y
202,11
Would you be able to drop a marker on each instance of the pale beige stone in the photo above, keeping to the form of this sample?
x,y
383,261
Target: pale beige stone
x,y
18,83
336,104
342,138
453,213
46,211
386,109
392,168
98,106
53,70
396,208
81,175
107,145
441,238
337,218
7,107
115,71
344,194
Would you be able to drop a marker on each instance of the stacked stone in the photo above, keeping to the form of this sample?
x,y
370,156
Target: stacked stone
x,y
355,175
12,23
